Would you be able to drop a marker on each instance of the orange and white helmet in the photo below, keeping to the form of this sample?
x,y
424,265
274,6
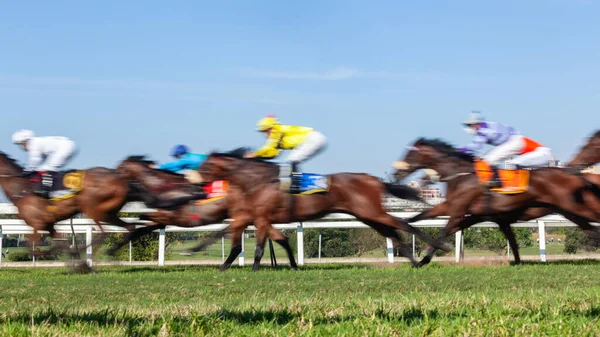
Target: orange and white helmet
x,y
266,123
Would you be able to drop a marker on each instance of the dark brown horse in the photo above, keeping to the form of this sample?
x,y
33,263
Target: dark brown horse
x,y
466,195
356,194
137,171
102,195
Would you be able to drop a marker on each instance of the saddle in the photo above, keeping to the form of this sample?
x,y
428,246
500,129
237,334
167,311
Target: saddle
x,y
513,181
65,185
309,183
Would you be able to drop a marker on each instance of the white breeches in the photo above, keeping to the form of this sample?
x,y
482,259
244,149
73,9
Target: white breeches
x,y
59,158
313,144
513,147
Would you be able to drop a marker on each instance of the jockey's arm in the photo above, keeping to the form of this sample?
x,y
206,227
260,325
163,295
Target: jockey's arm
x,y
173,166
475,145
269,150
35,156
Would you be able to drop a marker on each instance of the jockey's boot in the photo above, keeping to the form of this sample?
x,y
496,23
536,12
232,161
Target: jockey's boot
x,y
43,184
495,182
296,179
285,181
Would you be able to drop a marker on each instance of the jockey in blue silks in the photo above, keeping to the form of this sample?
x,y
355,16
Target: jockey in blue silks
x,y
187,163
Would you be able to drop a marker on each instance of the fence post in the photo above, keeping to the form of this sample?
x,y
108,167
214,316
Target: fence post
x,y
320,238
459,247
414,246
223,250
88,245
241,259
161,247
130,253
300,230
390,250
542,236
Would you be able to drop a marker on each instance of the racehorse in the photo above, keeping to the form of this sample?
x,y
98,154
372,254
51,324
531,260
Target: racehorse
x,y
100,194
466,195
356,194
137,171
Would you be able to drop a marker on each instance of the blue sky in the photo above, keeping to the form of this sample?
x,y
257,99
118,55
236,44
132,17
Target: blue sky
x,y
133,77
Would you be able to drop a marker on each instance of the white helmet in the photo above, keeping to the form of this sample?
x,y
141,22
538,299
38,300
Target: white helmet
x,y
22,136
474,118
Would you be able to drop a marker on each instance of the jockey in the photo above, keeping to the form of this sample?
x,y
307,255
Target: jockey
x,y
47,155
186,163
508,143
303,142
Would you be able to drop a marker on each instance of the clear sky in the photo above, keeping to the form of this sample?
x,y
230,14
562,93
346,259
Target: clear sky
x,y
137,77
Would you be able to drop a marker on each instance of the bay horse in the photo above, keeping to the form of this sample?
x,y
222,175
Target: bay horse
x,y
137,170
357,194
465,194
103,193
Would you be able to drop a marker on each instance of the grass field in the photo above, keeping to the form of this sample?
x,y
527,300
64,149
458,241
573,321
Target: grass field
x,y
214,252
534,299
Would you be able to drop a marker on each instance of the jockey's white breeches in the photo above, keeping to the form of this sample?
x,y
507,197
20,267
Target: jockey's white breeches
x,y
59,157
514,146
314,143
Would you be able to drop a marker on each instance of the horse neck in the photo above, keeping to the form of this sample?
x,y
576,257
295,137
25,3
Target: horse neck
x,y
452,167
13,187
12,184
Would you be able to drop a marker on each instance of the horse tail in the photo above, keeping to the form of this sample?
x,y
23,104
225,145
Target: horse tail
x,y
403,192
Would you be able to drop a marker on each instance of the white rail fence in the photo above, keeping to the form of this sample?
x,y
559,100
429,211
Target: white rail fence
x,y
339,221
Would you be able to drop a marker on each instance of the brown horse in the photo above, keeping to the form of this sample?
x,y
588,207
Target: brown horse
x,y
356,194
466,195
137,171
101,197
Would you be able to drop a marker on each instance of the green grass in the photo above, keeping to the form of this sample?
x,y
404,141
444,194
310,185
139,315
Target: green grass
x,y
534,299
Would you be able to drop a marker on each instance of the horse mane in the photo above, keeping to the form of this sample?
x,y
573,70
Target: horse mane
x,y
170,173
140,159
239,153
446,148
10,160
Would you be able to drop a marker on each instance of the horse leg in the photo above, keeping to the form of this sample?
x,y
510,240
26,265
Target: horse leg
x,y
132,236
432,213
397,223
205,243
389,232
454,224
276,235
236,249
512,240
261,238
587,228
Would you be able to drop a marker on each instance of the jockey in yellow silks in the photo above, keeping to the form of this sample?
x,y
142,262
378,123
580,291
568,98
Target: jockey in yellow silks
x,y
303,143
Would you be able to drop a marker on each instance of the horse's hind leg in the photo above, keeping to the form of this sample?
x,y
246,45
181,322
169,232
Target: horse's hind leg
x,y
207,242
262,227
396,223
236,249
391,233
281,239
512,240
